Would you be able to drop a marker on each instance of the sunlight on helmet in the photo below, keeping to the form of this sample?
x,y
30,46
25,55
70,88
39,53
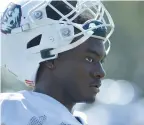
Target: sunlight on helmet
x,y
119,92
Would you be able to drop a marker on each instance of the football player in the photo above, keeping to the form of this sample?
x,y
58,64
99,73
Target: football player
x,y
56,47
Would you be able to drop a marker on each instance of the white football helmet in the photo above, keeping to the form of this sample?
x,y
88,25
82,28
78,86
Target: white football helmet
x,y
30,34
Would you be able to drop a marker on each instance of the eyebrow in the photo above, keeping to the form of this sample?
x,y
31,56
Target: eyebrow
x,y
96,53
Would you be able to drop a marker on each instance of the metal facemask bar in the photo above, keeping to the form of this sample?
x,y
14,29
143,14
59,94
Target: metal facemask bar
x,y
98,11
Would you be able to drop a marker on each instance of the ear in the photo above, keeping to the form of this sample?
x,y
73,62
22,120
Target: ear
x,y
50,64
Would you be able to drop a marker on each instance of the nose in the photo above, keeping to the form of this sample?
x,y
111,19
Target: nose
x,y
98,71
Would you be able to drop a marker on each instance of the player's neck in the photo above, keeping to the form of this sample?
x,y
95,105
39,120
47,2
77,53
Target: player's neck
x,y
57,94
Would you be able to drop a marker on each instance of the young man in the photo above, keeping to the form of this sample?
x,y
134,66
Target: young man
x,y
57,47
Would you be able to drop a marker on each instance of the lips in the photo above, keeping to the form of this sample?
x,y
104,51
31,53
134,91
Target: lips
x,y
96,83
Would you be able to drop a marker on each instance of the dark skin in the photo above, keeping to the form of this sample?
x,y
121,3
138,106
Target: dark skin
x,y
70,80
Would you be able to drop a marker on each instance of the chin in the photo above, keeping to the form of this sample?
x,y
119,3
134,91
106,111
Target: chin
x,y
85,100
90,100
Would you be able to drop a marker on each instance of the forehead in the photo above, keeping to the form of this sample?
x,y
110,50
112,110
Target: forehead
x,y
94,45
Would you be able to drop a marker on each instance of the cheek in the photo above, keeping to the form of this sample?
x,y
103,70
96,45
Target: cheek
x,y
73,70
82,73
79,71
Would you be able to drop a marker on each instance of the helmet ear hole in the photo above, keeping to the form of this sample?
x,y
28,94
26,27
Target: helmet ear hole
x,y
34,42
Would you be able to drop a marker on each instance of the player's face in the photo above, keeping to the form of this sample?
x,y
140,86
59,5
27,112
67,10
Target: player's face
x,y
80,70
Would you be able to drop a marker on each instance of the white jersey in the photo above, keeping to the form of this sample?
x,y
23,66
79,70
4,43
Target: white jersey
x,y
32,108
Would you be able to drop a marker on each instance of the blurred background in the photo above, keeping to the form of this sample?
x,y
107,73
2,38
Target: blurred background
x,y
121,99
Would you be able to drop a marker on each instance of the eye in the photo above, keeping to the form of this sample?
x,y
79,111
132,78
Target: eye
x,y
89,59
